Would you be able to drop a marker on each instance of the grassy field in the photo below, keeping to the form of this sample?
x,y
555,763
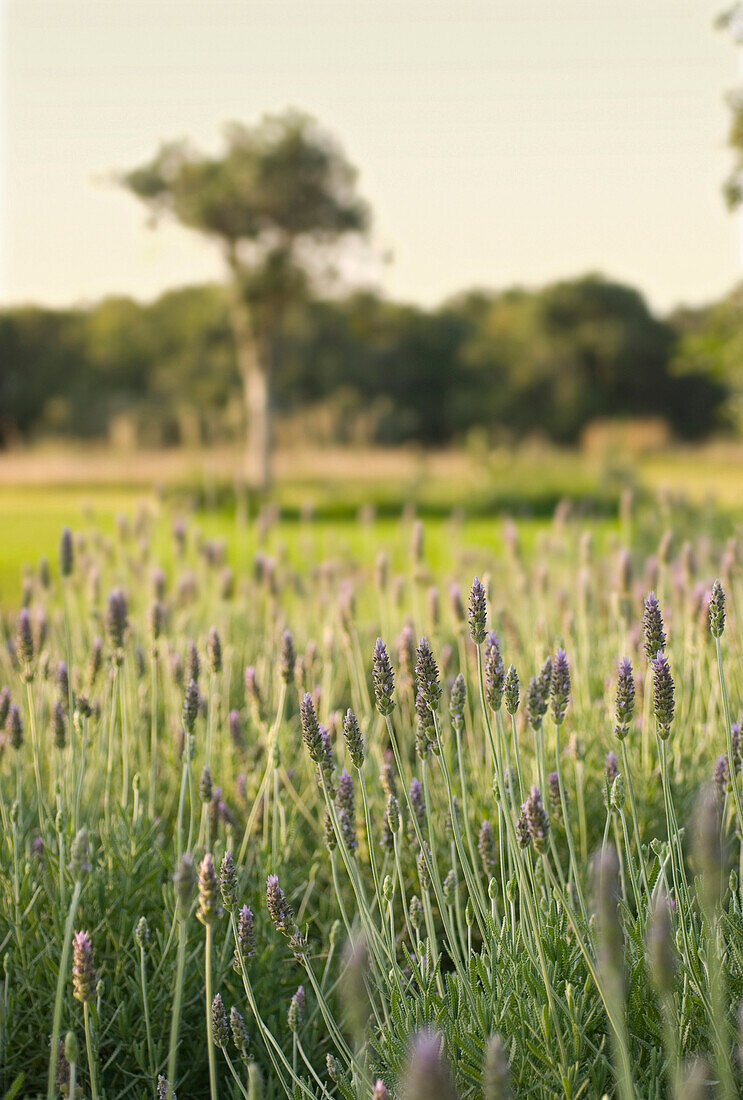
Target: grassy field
x,y
42,490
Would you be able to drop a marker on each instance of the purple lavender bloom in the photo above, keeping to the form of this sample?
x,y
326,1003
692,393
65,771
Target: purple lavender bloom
x,y
59,724
384,679
15,726
25,640
511,690
477,611
245,936
417,802
287,658
191,706
553,792
296,1010
495,673
458,700
220,1028
353,739
346,809
83,968
537,820
560,686
611,769
235,727
214,650
117,620
311,729
4,705
486,848
652,628
663,694
66,552
427,675
535,704
717,610
425,733
279,909
721,777
625,698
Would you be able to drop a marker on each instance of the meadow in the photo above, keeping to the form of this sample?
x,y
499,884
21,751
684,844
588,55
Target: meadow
x,y
348,799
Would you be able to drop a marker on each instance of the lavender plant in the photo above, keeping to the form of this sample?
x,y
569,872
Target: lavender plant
x,y
410,800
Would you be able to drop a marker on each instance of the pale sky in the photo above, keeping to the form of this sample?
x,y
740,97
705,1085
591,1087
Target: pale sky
x,y
498,141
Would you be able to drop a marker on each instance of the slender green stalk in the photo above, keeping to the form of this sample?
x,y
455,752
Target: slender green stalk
x,y
732,765
146,1008
175,1018
89,1048
209,996
151,794
61,978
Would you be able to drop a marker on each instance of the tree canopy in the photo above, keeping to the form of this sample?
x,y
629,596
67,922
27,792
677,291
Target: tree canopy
x,y
511,364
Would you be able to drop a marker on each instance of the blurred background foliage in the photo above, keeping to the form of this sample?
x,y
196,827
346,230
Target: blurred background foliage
x,y
552,362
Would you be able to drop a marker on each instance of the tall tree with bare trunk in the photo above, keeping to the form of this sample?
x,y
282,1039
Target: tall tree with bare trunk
x,y
278,197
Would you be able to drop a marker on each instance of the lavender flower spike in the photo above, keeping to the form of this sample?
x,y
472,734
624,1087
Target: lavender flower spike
x,y
477,611
384,679
245,937
279,909
511,690
663,694
560,686
652,628
625,698
66,552
287,658
83,968
353,739
210,907
311,734
427,675
537,820
717,610
220,1028
458,700
495,673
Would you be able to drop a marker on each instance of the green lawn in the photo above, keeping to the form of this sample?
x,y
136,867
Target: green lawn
x,y
483,489
33,517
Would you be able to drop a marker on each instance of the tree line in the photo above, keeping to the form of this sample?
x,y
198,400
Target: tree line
x,y
365,369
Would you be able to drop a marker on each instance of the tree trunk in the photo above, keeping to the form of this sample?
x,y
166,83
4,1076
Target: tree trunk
x,y
254,366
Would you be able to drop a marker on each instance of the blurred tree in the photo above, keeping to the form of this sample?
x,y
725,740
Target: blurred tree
x,y
279,195
579,350
732,20
710,343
